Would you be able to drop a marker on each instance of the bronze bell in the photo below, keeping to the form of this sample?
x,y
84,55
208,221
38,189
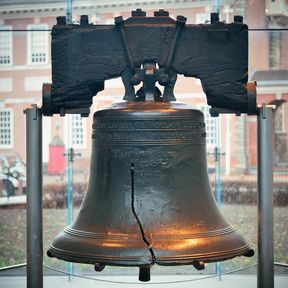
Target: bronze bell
x,y
149,199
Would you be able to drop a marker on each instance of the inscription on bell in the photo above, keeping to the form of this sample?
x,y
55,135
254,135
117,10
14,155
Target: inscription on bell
x,y
149,131
149,137
148,124
151,162
153,156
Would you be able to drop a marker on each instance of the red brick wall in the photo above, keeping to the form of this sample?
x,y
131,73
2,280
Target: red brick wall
x,y
252,142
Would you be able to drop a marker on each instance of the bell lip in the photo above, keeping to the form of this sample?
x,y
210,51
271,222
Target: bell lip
x,y
125,256
205,257
134,261
139,261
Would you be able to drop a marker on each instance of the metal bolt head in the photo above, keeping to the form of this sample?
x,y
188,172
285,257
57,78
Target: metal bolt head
x,y
138,13
238,18
161,13
214,17
199,265
181,19
118,20
61,20
136,79
144,274
99,267
84,20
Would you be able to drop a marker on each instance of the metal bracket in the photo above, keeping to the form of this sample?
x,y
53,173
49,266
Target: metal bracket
x,y
72,154
34,111
84,112
215,111
262,109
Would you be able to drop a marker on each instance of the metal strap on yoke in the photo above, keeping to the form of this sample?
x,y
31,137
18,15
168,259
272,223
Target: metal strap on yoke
x,y
180,23
119,22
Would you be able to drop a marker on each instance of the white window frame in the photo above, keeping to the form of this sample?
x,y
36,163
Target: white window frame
x,y
8,146
68,132
8,27
210,127
281,112
29,39
275,49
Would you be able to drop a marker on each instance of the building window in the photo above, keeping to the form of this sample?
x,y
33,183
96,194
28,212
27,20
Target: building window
x,y
77,131
210,124
5,46
6,128
275,49
38,44
279,119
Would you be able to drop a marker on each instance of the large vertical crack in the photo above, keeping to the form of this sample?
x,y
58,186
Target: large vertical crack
x,y
148,244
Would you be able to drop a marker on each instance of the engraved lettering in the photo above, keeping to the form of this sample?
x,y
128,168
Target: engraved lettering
x,y
154,156
148,124
148,136
147,173
148,131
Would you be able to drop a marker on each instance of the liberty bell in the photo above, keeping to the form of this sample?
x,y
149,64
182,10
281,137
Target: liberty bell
x,y
149,199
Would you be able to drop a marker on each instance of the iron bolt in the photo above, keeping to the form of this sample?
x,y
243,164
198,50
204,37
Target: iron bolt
x,y
84,20
136,79
118,20
161,12
238,18
214,17
61,20
138,13
181,19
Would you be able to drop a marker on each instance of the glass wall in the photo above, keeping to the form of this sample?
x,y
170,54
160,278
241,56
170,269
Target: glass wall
x,y
25,64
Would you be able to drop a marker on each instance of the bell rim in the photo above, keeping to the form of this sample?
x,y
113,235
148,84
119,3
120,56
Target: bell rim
x,y
106,260
136,261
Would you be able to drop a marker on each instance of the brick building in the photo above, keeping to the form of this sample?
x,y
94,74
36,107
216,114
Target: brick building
x,y
25,64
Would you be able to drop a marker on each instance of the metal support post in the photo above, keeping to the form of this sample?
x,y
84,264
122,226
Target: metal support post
x,y
265,277
34,197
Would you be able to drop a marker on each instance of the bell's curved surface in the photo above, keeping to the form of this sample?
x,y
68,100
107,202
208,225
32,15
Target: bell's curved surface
x,y
149,199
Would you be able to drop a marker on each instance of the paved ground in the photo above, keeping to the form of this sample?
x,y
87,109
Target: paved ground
x,y
228,281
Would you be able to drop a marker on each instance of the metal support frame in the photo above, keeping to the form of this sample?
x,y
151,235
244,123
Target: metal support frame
x,y
265,277
34,197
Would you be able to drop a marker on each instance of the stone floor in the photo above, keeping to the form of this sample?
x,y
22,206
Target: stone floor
x,y
227,281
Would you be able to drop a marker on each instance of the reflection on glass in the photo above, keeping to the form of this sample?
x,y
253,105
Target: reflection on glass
x,y
25,65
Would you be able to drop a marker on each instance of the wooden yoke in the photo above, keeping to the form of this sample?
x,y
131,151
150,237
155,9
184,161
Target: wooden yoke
x,y
85,55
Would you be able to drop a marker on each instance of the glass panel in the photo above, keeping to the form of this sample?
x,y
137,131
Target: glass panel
x,y
231,140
